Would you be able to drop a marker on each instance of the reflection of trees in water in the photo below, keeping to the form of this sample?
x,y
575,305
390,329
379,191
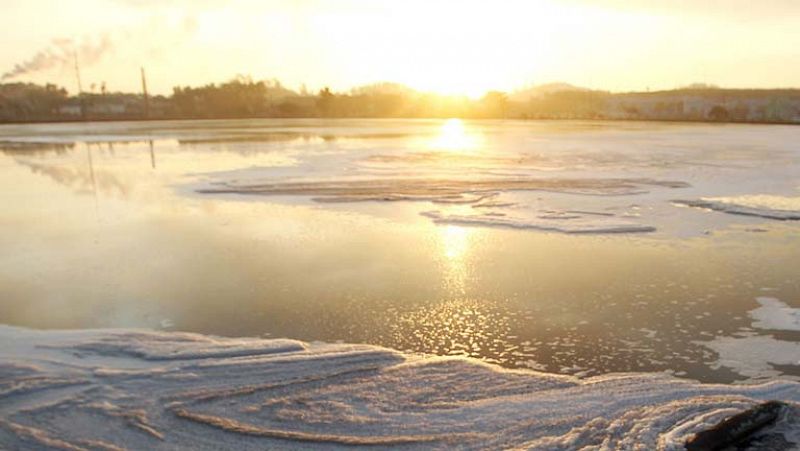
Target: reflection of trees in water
x,y
81,179
250,137
273,137
16,148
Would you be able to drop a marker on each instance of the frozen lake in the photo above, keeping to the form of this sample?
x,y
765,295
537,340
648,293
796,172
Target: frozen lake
x,y
578,248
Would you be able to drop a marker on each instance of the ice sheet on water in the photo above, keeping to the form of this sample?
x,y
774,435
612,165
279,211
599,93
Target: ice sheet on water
x,y
755,356
770,207
527,161
555,222
332,396
394,188
486,195
775,315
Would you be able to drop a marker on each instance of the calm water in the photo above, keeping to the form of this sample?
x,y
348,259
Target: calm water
x,y
101,226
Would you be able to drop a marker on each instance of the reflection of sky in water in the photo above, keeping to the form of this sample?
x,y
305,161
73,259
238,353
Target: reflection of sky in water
x,y
110,234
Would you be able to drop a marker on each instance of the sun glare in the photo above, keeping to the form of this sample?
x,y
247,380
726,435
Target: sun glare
x,y
454,137
455,241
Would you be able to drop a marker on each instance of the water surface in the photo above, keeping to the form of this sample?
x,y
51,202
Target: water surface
x,y
103,226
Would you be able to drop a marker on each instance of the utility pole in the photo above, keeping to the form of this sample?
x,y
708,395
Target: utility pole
x,y
80,86
146,99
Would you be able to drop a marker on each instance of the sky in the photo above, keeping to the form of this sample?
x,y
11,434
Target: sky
x,y
449,47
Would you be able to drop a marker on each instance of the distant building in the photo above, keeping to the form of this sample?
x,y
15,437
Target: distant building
x,y
70,109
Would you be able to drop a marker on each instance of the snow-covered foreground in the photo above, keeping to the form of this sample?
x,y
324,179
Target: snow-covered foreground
x,y
134,389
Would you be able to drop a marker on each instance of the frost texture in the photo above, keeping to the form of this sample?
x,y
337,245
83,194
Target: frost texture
x,y
118,389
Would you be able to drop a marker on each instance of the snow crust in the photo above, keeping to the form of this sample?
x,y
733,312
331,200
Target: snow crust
x,y
134,389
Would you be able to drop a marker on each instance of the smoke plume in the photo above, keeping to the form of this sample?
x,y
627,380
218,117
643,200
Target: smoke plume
x,y
61,53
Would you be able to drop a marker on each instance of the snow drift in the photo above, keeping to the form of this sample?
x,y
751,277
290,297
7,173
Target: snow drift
x,y
126,389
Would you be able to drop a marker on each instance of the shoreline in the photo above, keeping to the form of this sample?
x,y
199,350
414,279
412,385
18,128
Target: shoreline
x,y
432,118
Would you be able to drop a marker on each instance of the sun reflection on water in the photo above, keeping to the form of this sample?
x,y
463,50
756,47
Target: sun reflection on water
x,y
455,243
457,327
459,324
454,137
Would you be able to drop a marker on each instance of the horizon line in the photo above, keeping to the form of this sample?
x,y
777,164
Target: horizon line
x,y
349,91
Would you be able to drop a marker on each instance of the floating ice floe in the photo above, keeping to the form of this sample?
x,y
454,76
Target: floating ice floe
x,y
123,389
463,190
487,195
563,222
755,356
775,315
770,207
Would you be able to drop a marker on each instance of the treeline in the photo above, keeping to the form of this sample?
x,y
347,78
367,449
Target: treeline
x,y
243,97
28,102
246,98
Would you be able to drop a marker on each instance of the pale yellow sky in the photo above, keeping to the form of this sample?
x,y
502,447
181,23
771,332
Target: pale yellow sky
x,y
445,46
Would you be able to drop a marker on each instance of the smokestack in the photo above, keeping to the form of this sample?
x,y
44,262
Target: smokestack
x,y
144,93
